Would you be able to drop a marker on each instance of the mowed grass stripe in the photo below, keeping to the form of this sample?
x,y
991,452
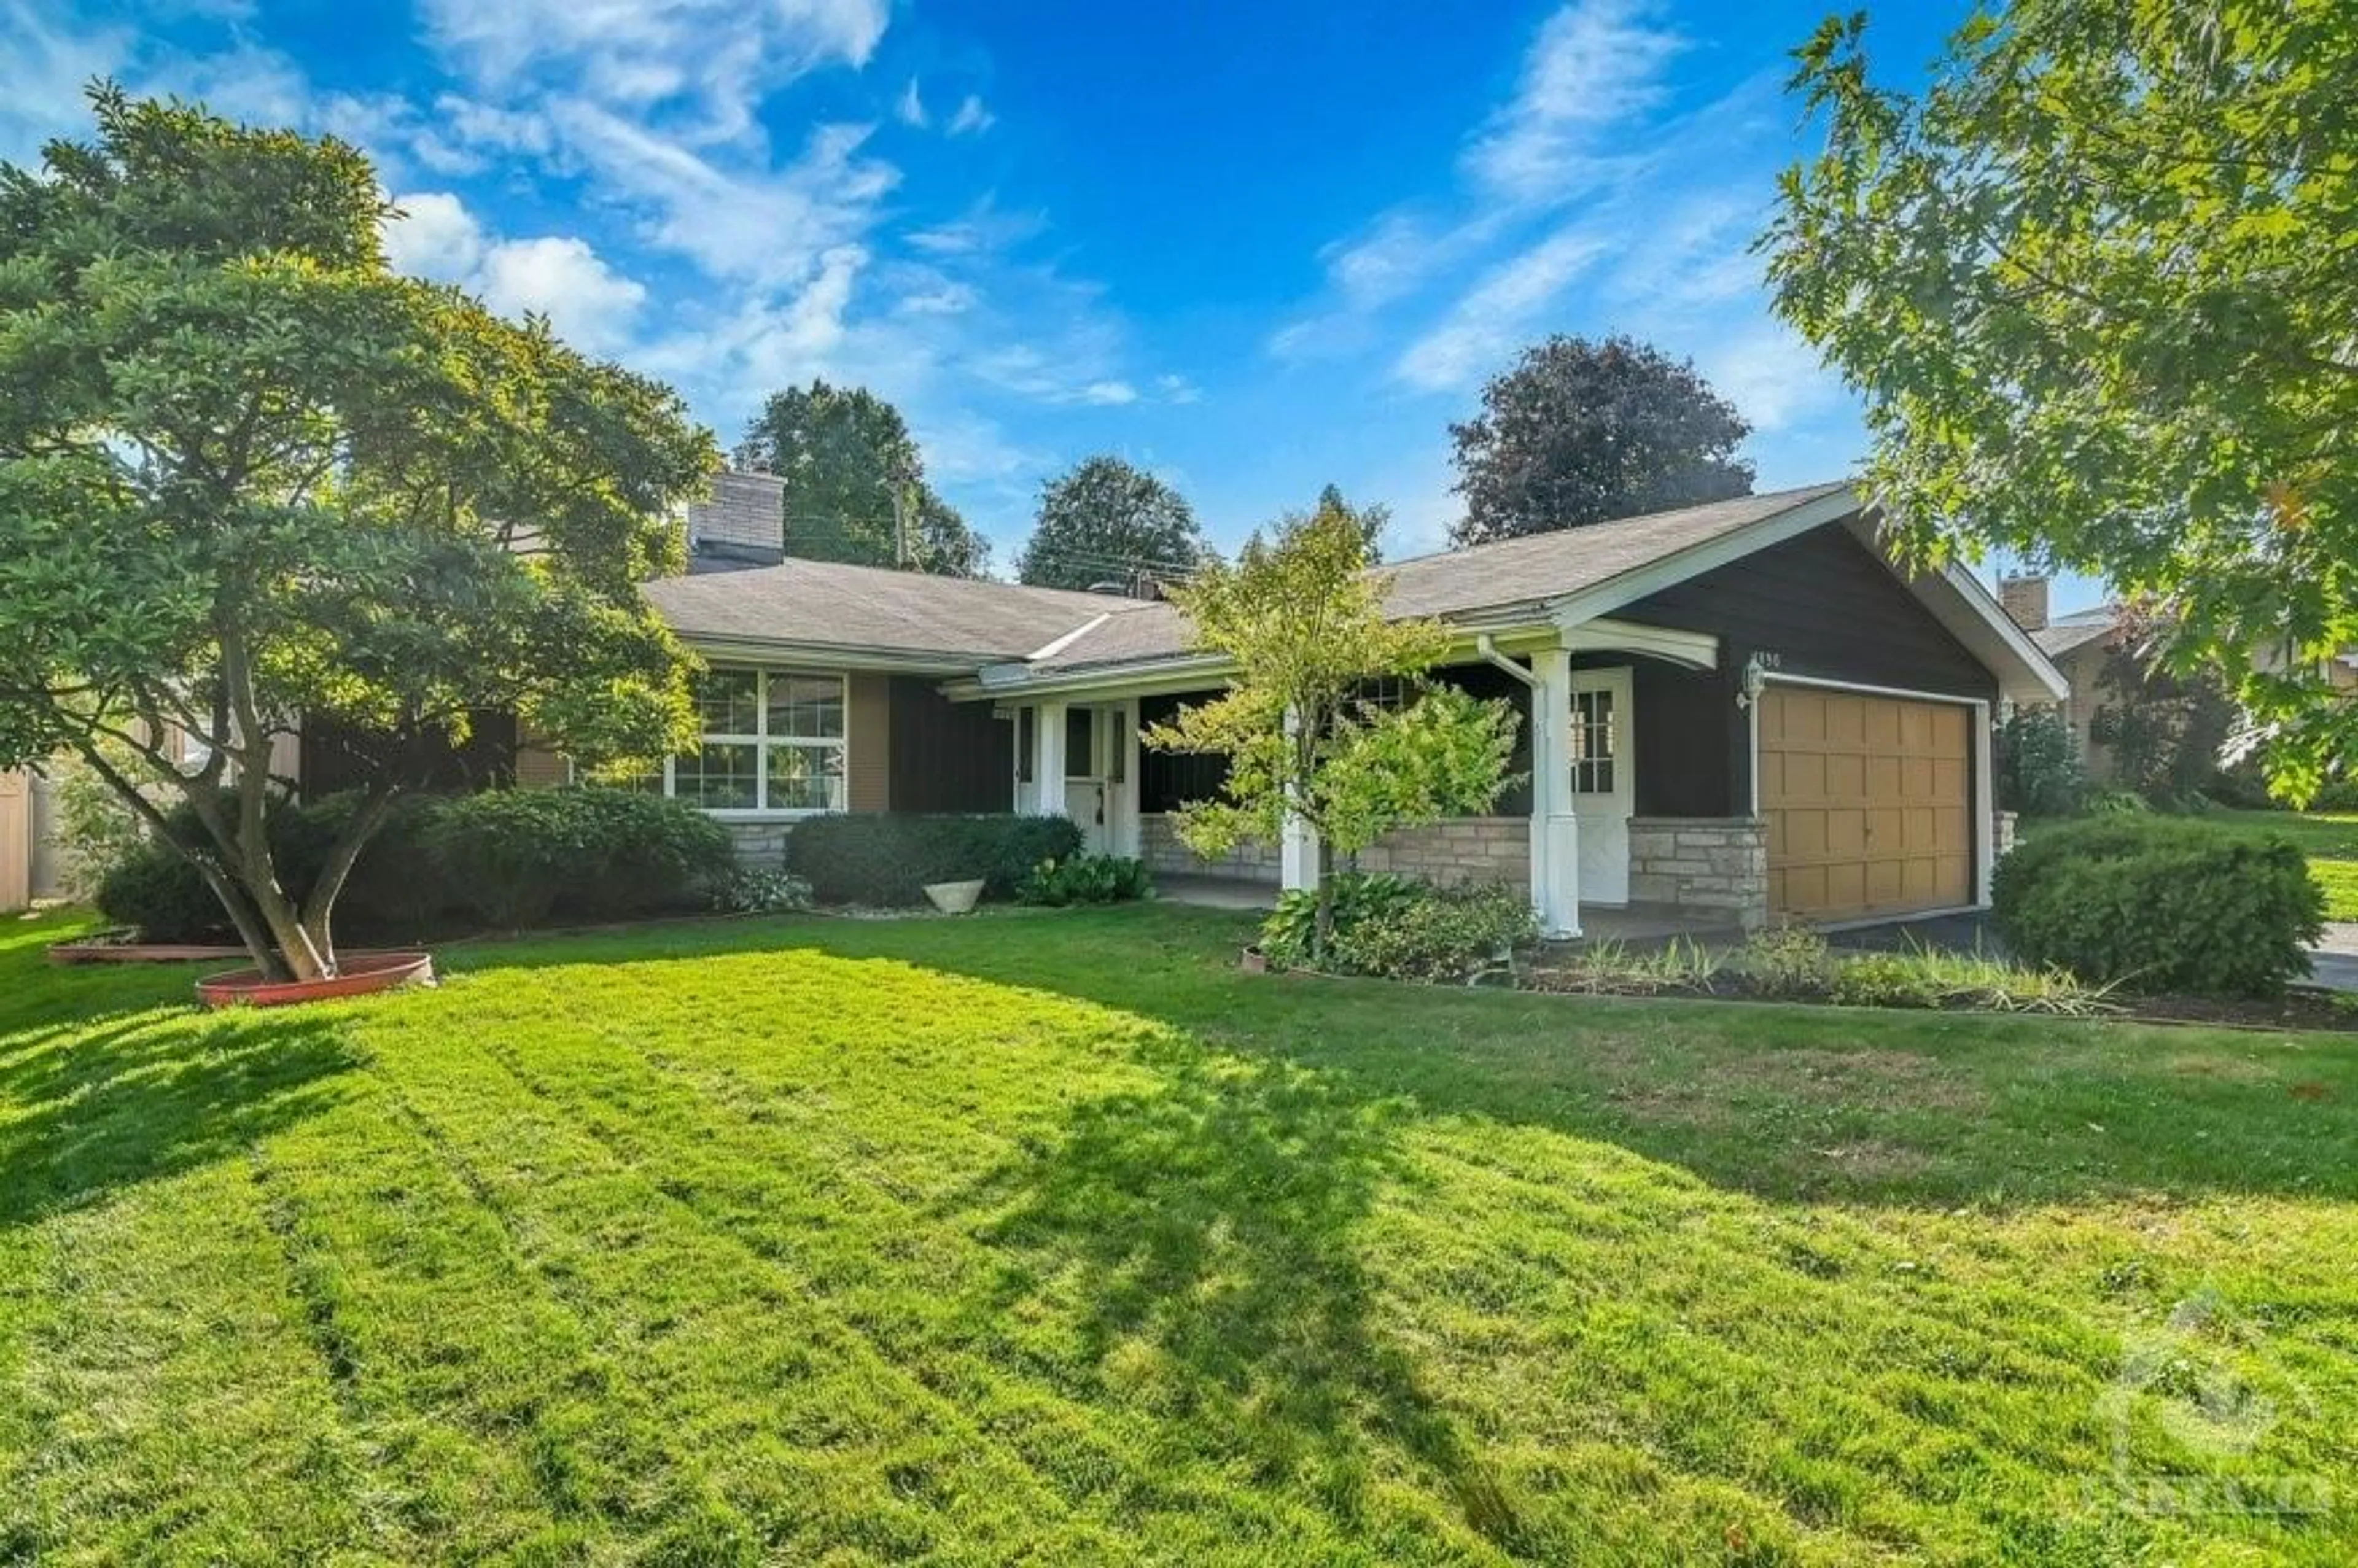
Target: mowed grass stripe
x,y
923,1292
155,1365
506,1428
810,1434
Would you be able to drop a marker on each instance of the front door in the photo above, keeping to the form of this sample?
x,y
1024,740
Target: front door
x,y
1085,776
1602,790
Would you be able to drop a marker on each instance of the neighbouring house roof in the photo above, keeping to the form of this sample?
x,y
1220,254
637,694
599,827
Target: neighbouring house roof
x,y
2065,632
1008,634
826,604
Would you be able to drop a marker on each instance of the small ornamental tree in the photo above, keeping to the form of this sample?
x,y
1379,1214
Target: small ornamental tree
x,y
251,479
1303,622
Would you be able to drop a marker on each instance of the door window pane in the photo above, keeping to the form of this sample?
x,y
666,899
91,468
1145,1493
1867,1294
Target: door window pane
x,y
1079,762
1593,734
720,777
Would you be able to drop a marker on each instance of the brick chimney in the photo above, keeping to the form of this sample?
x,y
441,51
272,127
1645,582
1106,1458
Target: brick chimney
x,y
744,523
2024,599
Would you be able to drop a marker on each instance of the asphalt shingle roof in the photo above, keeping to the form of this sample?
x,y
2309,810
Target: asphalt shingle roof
x,y
826,604
1458,583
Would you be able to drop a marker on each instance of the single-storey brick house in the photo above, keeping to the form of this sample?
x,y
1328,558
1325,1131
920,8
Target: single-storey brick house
x,y
1736,709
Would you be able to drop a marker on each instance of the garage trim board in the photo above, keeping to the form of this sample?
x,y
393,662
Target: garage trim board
x,y
1902,783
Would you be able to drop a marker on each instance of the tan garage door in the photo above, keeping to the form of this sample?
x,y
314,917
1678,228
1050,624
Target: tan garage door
x,y
1868,800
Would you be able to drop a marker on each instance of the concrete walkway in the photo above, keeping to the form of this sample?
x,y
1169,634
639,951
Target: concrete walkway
x,y
2333,962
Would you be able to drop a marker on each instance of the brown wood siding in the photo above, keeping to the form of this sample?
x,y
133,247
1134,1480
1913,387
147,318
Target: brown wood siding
x,y
868,752
335,757
541,767
949,756
1821,605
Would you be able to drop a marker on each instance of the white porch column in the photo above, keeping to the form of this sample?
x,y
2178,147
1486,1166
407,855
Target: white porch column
x,y
1555,829
1048,759
1297,850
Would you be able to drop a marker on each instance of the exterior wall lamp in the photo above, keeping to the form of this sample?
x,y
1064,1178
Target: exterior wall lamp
x,y
1755,680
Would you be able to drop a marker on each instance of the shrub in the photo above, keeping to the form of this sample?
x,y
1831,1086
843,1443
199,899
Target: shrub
x,y
155,889
1610,967
516,856
1086,879
1787,961
887,858
2117,803
2039,772
2160,904
1289,933
1443,933
1884,980
760,889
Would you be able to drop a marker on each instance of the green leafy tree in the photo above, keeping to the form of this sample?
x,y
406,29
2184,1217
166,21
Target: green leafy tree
x,y
251,477
2165,732
2095,284
854,478
2040,770
1304,622
1372,521
1106,521
1582,432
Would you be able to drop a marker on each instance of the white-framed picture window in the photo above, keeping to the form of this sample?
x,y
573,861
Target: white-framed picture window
x,y
773,744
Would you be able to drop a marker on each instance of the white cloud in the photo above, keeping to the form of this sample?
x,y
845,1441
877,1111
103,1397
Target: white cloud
x,y
1774,377
1595,64
910,108
1484,327
972,118
1593,69
587,303
435,237
715,59
47,65
1108,393
769,226
1178,389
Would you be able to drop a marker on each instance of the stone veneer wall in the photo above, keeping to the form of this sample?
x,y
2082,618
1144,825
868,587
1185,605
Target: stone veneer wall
x,y
1467,849
1159,847
1709,865
2002,825
1463,850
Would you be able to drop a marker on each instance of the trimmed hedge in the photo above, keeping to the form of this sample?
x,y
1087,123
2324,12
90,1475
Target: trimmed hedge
x,y
514,856
886,859
2160,904
506,857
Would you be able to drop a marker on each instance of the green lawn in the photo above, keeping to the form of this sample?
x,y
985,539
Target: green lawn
x,y
1051,1239
2328,839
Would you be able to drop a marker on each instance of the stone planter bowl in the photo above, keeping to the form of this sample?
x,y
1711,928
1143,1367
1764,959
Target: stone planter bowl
x,y
955,898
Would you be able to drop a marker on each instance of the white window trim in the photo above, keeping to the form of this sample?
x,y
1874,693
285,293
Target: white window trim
x,y
762,742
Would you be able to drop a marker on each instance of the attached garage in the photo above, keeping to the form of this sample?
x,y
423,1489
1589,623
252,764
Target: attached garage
x,y
1869,799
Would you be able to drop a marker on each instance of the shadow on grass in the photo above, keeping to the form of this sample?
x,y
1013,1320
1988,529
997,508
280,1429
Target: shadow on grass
x,y
132,1101
1200,1235
1787,1103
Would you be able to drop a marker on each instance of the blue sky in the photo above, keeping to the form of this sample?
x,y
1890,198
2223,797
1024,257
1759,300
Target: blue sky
x,y
1254,248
